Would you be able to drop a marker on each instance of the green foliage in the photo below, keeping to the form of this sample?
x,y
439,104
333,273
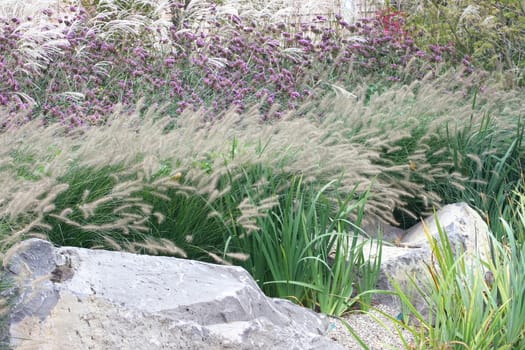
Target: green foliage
x,y
514,213
23,163
188,220
93,207
473,303
488,156
304,250
492,33
296,238
115,208
280,213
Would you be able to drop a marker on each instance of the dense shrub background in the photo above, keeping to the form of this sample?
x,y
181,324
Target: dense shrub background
x,y
80,64
227,136
490,34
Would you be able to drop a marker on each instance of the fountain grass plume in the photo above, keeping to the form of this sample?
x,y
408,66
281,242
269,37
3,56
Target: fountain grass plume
x,y
390,145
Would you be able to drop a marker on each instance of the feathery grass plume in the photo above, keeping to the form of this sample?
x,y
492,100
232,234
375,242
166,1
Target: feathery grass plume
x,y
260,11
249,212
40,39
218,259
473,303
134,18
158,246
13,233
372,141
391,144
195,14
238,256
18,9
112,243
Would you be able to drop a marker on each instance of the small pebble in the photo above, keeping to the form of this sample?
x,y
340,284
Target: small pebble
x,y
369,330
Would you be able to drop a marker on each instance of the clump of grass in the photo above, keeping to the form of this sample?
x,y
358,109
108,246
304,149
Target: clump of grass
x,y
146,181
485,150
514,213
218,184
303,250
467,146
488,34
139,186
142,182
369,144
473,303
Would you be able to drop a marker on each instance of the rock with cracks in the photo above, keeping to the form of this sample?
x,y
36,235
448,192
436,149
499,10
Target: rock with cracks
x,y
73,298
407,260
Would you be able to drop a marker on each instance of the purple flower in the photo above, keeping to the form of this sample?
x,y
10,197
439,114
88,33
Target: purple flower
x,y
4,100
435,49
169,61
304,42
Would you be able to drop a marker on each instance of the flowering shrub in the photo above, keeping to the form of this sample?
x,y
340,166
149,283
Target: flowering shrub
x,y
490,34
81,65
392,22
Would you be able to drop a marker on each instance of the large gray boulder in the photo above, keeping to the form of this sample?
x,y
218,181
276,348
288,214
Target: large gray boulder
x,y
72,298
407,259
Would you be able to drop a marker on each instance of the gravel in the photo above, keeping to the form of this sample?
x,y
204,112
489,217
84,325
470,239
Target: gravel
x,y
375,336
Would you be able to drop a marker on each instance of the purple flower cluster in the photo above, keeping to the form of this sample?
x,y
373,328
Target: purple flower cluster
x,y
232,63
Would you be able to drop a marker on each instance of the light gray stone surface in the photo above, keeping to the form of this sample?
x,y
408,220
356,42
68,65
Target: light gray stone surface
x,y
72,298
83,299
466,231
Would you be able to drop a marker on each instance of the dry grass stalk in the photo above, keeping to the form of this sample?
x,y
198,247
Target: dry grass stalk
x,y
350,143
157,246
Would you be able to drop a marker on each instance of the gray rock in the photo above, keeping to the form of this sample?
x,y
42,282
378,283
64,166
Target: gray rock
x,y
466,231
73,298
373,227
